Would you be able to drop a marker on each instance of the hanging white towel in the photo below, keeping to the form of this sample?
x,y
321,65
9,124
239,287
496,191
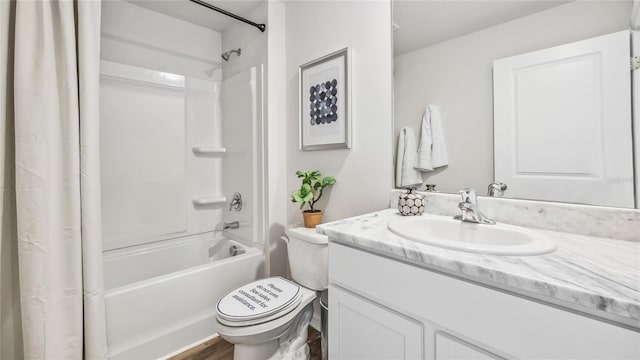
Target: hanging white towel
x,y
432,151
406,175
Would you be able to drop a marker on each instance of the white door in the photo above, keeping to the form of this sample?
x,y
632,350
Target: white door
x,y
562,123
359,329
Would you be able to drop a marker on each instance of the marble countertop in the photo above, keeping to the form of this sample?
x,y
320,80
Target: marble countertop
x,y
597,276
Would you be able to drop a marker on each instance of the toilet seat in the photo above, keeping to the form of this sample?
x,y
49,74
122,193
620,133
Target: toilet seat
x,y
268,330
258,302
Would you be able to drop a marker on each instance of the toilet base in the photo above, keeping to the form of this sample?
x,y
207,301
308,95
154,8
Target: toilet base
x,y
292,345
256,351
253,352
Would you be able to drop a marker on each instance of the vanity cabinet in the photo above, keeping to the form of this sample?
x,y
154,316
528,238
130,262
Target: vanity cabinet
x,y
386,309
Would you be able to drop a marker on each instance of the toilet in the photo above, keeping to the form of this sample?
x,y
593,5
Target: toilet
x,y
268,318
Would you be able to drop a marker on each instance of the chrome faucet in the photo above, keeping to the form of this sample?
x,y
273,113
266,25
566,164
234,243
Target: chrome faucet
x,y
231,225
496,189
470,210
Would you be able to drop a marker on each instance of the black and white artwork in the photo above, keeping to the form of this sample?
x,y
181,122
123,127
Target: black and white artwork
x,y
324,103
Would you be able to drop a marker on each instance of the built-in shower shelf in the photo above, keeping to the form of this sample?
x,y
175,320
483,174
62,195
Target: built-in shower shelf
x,y
208,150
207,201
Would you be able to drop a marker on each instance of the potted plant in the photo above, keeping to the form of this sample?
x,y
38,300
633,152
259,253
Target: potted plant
x,y
313,184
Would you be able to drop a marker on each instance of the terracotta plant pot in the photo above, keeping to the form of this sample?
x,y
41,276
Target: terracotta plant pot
x,y
311,219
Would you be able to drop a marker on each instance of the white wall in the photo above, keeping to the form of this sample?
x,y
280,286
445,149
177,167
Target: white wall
x,y
363,173
250,39
456,75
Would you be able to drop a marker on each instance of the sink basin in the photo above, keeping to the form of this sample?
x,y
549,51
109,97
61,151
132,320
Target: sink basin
x,y
498,239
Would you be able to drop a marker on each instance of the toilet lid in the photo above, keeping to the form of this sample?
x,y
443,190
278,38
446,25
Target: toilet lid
x,y
259,299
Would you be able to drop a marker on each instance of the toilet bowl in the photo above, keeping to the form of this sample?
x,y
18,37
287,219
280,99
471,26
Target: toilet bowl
x,y
268,318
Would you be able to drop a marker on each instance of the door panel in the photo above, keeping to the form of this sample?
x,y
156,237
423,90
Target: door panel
x,y
562,123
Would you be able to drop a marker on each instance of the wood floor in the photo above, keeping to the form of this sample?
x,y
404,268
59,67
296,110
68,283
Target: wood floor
x,y
219,349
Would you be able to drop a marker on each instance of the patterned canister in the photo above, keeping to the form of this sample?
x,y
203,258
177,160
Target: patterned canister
x,y
410,203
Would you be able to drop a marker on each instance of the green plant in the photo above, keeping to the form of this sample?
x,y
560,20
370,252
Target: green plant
x,y
311,189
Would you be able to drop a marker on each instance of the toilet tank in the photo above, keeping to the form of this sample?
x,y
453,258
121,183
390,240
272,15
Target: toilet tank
x,y
308,257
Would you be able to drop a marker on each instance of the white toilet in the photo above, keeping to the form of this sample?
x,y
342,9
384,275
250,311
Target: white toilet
x,y
268,318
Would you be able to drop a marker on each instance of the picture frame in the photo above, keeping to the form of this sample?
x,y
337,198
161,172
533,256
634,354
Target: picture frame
x,y
325,102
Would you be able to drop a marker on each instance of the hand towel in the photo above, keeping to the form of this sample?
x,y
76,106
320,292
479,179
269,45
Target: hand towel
x,y
432,151
406,175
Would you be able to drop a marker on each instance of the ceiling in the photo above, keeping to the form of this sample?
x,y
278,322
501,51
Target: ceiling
x,y
427,22
200,15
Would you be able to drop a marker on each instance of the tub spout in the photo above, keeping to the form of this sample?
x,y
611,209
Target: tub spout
x,y
236,250
230,225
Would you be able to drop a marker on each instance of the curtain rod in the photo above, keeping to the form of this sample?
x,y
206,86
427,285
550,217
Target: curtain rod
x,y
261,27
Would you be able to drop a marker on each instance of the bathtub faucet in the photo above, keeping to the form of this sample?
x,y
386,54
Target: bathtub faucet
x,y
236,202
230,225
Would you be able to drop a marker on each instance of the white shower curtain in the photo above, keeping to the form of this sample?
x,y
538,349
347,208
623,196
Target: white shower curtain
x,y
51,300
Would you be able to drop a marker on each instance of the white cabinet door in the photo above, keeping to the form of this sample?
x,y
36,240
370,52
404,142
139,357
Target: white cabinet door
x,y
562,123
359,329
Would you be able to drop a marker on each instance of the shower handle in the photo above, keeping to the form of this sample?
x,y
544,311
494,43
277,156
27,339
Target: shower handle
x,y
236,202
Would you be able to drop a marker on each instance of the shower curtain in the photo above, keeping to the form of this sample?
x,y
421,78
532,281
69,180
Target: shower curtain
x,y
51,286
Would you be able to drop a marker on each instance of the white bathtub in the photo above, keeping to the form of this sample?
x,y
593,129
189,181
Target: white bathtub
x,y
161,297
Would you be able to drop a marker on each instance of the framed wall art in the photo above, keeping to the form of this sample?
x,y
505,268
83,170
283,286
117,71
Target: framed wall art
x,y
325,109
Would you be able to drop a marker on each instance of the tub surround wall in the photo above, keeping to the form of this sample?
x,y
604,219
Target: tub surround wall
x,y
267,48
592,275
254,54
607,222
161,297
244,167
242,164
146,144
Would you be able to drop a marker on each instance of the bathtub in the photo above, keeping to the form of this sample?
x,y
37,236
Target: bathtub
x,y
160,298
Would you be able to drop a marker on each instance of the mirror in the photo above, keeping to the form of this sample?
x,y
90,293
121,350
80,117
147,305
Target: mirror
x,y
444,55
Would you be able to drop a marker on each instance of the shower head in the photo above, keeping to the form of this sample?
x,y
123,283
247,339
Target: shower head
x,y
227,55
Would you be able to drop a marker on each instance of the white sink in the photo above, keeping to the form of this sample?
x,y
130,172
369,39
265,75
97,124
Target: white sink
x,y
498,239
